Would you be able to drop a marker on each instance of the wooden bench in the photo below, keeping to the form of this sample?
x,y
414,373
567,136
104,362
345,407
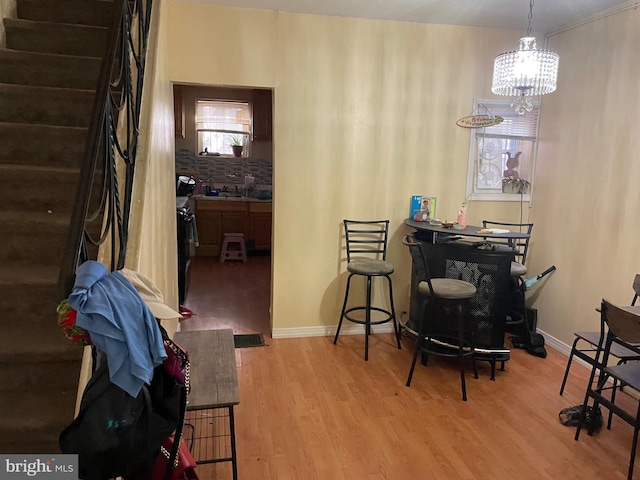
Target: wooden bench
x,y
214,387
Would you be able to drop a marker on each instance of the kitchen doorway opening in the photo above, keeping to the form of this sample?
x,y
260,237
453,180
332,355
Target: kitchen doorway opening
x,y
234,196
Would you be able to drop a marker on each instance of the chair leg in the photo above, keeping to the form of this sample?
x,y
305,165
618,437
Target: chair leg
x,y
566,371
461,352
344,308
396,327
419,341
634,445
367,319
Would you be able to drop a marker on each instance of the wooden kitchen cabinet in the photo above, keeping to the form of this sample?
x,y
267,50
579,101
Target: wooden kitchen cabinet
x,y
178,110
260,226
214,218
262,115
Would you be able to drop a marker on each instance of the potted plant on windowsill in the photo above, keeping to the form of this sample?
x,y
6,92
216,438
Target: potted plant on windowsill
x,y
515,185
237,146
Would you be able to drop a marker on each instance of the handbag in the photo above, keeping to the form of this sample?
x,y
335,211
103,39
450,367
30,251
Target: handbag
x,y
115,434
184,465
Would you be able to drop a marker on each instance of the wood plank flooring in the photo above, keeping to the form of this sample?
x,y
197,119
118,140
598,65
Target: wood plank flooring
x,y
313,410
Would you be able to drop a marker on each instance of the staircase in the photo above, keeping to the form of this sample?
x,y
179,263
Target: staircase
x,y
48,76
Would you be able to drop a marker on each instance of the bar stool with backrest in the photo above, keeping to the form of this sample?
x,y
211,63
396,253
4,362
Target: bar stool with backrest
x,y
366,244
618,326
452,295
519,247
586,343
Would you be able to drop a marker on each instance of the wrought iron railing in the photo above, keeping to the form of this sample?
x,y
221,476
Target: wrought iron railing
x,y
103,199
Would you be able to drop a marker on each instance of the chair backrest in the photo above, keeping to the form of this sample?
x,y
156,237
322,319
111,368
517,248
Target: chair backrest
x,y
520,246
636,288
419,260
622,322
366,238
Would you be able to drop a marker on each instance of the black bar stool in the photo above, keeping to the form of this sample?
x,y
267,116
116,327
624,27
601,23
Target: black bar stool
x,y
451,294
368,241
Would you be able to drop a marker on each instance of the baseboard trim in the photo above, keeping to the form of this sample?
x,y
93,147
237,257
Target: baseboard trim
x,y
561,347
326,331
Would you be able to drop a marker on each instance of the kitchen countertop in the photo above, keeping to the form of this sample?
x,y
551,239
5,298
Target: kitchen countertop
x,y
230,199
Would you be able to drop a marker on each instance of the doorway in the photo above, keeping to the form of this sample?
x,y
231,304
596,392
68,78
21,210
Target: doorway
x,y
233,294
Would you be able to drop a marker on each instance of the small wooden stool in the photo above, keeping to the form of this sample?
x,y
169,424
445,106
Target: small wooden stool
x,y
237,250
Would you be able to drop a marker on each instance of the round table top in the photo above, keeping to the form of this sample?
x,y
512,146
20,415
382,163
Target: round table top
x,y
469,230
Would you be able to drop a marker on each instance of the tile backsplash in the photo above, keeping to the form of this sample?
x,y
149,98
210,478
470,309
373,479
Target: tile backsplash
x,y
220,171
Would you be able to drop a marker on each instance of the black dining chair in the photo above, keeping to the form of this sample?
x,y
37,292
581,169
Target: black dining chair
x,y
445,298
618,326
366,245
585,345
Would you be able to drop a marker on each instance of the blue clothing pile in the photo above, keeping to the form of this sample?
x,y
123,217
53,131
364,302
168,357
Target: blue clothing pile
x,y
120,325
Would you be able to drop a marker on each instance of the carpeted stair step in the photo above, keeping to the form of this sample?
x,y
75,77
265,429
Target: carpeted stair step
x,y
42,144
38,189
47,37
45,105
30,323
29,235
83,12
33,419
48,69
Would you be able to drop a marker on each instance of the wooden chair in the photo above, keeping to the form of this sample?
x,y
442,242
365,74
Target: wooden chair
x,y
452,294
586,343
619,326
366,243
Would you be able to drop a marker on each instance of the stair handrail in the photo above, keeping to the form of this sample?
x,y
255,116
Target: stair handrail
x,y
111,138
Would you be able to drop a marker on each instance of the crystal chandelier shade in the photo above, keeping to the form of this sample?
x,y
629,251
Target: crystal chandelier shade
x,y
525,72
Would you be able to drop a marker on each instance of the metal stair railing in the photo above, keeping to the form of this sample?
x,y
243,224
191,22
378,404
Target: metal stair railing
x,y
111,147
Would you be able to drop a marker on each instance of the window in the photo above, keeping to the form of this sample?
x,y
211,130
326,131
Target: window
x,y
502,157
222,124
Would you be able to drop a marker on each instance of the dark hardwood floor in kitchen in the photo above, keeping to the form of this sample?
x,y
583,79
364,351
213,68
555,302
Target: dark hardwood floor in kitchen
x,y
232,295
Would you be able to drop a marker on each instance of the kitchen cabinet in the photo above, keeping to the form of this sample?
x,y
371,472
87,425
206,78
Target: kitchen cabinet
x,y
259,226
262,115
214,218
178,110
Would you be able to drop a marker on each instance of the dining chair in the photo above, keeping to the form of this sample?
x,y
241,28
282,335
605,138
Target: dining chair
x,y
585,345
618,326
366,245
446,299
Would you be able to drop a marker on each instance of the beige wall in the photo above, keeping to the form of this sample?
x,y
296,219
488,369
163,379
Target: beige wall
x,y
152,235
364,117
7,10
586,199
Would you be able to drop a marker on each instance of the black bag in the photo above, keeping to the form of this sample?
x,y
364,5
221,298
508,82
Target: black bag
x,y
115,434
571,416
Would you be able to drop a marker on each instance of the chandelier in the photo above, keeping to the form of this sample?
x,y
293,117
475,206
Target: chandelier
x,y
525,72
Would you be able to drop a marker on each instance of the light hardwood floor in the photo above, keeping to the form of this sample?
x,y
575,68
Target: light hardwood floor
x,y
313,410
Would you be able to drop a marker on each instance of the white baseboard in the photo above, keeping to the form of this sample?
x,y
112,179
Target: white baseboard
x,y
326,331
561,347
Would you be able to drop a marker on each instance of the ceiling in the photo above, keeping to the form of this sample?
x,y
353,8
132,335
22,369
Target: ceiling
x,y
548,15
